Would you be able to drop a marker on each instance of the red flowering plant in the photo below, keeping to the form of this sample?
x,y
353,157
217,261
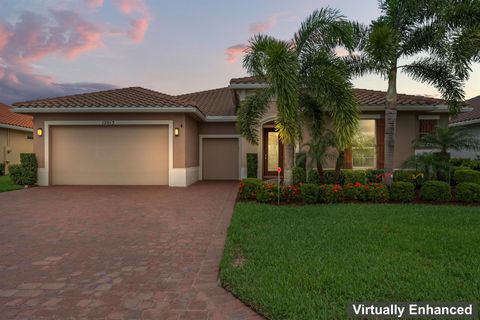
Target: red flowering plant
x,y
330,193
290,193
268,194
249,188
352,191
376,192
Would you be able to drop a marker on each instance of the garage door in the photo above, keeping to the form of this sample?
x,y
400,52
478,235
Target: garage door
x,y
118,155
220,159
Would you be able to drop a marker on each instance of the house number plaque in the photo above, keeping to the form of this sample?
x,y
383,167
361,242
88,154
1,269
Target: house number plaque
x,y
108,123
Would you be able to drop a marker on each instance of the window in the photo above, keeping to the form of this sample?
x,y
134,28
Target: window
x,y
364,146
427,126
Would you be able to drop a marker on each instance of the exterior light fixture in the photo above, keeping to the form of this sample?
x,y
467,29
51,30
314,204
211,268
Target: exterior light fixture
x,y
176,132
39,132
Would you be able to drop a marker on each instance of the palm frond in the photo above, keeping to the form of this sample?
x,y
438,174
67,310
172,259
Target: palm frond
x,y
250,112
450,138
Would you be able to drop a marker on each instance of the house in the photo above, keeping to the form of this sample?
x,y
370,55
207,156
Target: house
x,y
136,136
16,135
471,121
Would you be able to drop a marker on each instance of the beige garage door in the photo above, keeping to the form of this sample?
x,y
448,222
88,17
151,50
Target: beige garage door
x,y
220,159
118,155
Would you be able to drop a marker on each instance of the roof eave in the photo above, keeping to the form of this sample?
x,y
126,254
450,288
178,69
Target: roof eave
x,y
464,123
248,85
19,128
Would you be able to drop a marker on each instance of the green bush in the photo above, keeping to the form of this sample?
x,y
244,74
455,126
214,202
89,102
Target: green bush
x,y
309,193
313,176
298,175
28,162
374,175
375,192
472,164
352,191
468,192
252,165
352,176
402,191
330,193
435,190
466,175
301,160
17,174
268,193
2,169
249,188
290,193
330,177
414,176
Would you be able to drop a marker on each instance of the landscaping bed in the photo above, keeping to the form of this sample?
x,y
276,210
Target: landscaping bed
x,y
6,184
308,262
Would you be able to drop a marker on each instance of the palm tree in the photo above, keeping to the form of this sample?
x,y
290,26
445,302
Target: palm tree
x,y
453,138
430,165
307,65
440,39
318,151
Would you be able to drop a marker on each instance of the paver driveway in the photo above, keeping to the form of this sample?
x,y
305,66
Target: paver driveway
x,y
116,253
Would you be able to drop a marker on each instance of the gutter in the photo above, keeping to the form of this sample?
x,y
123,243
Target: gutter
x,y
464,123
8,126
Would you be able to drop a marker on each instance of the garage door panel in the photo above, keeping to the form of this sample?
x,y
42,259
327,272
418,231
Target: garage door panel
x,y
220,159
121,155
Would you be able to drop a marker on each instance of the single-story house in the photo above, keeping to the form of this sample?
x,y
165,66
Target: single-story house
x,y
471,121
16,135
136,136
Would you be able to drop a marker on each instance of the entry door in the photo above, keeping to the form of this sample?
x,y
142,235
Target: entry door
x,y
272,152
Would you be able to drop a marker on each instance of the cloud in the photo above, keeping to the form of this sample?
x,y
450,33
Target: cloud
x,y
130,6
262,26
235,52
138,29
139,25
4,35
94,4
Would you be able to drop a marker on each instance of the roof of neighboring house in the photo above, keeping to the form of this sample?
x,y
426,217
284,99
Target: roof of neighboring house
x,y
9,118
471,115
133,97
215,102
367,97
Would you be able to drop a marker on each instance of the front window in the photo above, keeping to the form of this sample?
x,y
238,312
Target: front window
x,y
427,126
363,146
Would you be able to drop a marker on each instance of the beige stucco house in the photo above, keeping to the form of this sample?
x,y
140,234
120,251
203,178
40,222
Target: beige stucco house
x,y
16,135
471,122
136,136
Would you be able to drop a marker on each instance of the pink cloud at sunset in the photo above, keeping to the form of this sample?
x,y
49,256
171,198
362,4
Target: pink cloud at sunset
x,y
131,6
235,52
262,26
138,29
138,26
93,4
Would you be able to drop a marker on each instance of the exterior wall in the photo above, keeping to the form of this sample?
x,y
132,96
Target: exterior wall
x,y
217,128
475,130
191,142
17,142
407,130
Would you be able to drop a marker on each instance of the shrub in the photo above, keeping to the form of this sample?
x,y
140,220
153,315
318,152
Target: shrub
x,y
352,176
268,193
330,193
249,188
301,160
468,192
330,177
309,193
402,191
352,191
2,169
375,192
290,194
374,175
313,176
467,163
298,175
436,190
466,175
252,165
414,176
28,162
17,174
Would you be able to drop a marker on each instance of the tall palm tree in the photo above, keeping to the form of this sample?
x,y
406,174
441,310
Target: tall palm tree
x,y
306,65
440,39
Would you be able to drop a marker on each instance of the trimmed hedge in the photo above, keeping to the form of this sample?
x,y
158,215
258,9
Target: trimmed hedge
x,y
309,193
374,175
435,190
466,175
330,193
402,191
26,172
330,177
298,175
468,192
414,176
252,165
249,188
468,163
313,177
268,193
375,192
353,176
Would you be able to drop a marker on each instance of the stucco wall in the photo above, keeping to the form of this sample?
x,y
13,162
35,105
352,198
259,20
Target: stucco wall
x,y
191,142
15,140
217,128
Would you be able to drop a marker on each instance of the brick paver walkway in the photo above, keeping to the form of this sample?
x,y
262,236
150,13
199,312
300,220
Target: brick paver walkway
x,y
116,253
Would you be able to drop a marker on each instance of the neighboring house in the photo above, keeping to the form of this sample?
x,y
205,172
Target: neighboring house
x,y
136,136
16,135
471,121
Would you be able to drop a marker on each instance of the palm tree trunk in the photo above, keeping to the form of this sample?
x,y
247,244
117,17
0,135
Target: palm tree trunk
x,y
390,125
321,173
288,155
338,165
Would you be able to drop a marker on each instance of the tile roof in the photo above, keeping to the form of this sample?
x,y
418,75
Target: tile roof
x,y
365,96
9,118
471,115
134,97
215,102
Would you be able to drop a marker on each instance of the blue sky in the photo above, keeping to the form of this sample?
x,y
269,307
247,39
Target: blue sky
x,y
170,46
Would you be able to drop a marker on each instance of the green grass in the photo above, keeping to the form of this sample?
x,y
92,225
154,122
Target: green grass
x,y
6,184
309,262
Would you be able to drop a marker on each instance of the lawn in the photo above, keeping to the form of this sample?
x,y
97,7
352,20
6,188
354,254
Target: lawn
x,y
7,185
309,262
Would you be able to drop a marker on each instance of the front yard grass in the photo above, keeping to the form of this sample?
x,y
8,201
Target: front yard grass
x,y
309,262
6,184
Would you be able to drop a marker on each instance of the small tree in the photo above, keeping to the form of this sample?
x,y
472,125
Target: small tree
x,y
318,151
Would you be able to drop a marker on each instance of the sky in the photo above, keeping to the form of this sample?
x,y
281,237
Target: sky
x,y
60,47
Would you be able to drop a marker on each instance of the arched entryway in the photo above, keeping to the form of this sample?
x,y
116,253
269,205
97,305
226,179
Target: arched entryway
x,y
272,151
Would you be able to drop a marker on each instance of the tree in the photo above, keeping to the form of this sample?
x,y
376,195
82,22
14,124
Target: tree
x,y
440,39
307,65
450,138
432,166
319,150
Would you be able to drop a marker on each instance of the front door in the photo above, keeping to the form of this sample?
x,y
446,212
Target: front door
x,y
272,152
